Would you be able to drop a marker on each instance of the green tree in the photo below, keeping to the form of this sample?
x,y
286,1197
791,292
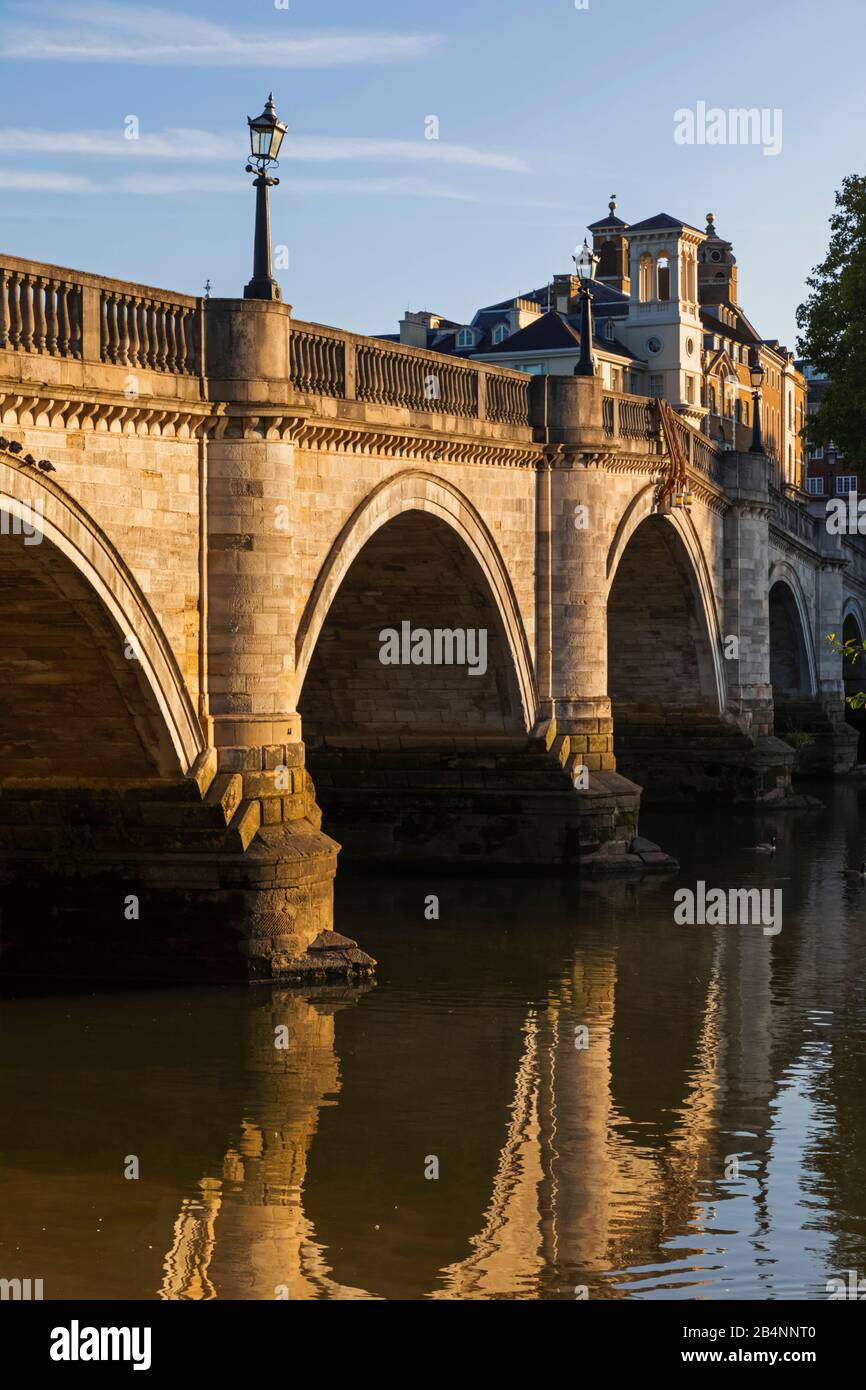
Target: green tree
x,y
832,328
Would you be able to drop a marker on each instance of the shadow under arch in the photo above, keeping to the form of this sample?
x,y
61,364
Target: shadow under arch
x,y
793,664
696,571
53,549
413,491
665,668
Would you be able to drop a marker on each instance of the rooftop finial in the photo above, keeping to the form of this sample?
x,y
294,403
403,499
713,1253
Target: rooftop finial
x,y
711,224
612,204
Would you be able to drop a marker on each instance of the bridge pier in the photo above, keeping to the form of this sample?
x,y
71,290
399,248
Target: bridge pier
x,y
578,514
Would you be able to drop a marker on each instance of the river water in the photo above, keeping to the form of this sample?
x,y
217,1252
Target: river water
x,y
551,1089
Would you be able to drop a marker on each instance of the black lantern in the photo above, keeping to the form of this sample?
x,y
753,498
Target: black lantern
x,y
266,133
266,137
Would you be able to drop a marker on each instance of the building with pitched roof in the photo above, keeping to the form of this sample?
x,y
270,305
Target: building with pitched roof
x,y
666,322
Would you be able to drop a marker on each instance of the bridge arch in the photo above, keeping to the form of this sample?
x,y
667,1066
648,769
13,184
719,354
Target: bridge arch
x,y
417,506
667,546
92,688
793,665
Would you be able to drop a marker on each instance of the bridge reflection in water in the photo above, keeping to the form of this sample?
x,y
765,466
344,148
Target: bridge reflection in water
x,y
299,1172
561,1166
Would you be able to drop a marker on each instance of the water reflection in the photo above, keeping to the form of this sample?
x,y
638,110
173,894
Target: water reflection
x,y
708,1142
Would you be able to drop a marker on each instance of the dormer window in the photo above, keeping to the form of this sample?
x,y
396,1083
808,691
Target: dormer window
x,y
500,333
465,338
608,330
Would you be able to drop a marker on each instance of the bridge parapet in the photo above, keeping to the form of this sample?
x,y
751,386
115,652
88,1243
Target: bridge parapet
x,y
347,366
54,312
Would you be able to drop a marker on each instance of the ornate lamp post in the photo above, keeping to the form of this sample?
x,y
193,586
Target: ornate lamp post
x,y
756,374
586,262
266,136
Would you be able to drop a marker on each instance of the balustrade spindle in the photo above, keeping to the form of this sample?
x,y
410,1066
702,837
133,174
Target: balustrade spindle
x,y
38,314
114,317
4,309
27,313
183,362
76,331
162,342
123,322
51,288
132,317
172,339
63,344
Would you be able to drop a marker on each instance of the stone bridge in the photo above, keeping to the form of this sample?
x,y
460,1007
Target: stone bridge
x,y
212,513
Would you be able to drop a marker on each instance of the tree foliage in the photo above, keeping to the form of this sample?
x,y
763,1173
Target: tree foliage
x,y
832,328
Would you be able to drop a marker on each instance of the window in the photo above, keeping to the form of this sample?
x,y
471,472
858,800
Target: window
x,y
690,390
738,411
645,285
656,383
663,277
533,368
608,329
711,400
846,482
817,453
815,486
465,338
500,332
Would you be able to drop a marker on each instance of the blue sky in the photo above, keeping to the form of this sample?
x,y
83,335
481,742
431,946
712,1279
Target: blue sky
x,y
544,109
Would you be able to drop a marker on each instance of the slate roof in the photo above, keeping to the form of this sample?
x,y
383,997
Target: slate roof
x,y
661,221
609,221
553,332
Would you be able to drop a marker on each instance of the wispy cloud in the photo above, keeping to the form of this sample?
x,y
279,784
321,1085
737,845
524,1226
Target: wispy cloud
x,y
202,145
38,181
167,185
118,33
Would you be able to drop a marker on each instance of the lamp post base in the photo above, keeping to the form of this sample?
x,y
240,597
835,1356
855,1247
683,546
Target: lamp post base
x,y
262,289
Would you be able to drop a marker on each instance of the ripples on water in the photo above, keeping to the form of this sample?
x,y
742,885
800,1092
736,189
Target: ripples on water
x,y
709,1142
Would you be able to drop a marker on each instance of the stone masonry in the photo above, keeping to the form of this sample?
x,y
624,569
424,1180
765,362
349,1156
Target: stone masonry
x,y
210,513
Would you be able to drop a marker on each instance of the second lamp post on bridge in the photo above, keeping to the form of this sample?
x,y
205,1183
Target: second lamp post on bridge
x,y
756,375
586,262
266,136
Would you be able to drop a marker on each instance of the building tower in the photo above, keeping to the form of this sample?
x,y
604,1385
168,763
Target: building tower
x,y
717,268
663,325
609,241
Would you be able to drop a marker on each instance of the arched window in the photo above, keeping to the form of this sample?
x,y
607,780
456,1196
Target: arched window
x,y
688,271
500,332
663,276
646,278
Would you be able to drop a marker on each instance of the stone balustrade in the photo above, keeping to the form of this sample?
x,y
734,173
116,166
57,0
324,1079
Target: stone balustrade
x,y
40,311
629,417
140,330
48,311
324,361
